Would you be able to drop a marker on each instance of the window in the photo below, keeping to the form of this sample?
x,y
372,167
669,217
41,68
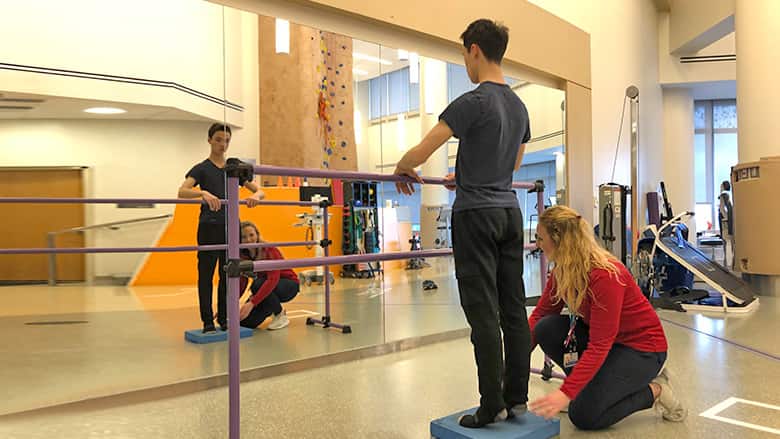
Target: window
x,y
715,146
700,164
458,81
392,93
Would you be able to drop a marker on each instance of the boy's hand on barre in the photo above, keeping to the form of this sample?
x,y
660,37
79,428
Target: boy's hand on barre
x,y
450,177
403,187
254,200
213,202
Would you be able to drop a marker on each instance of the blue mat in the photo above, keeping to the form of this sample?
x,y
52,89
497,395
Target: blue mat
x,y
197,335
528,426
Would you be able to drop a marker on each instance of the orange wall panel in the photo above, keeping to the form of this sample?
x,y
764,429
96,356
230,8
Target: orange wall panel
x,y
275,224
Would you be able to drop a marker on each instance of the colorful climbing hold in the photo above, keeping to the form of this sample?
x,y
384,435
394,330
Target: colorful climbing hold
x,y
343,144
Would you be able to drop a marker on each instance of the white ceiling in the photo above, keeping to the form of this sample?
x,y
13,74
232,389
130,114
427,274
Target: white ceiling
x,y
55,107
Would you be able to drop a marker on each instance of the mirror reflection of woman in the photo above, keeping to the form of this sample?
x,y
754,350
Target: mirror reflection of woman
x,y
269,288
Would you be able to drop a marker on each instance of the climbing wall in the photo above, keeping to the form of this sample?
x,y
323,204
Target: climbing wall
x,y
336,107
306,102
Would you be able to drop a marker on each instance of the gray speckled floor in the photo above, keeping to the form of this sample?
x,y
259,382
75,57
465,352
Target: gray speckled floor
x,y
396,396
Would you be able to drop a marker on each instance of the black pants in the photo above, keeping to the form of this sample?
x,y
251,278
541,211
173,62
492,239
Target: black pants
x,y
619,388
210,234
488,250
285,291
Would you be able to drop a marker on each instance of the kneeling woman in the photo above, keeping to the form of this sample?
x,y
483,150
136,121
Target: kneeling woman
x,y
269,289
613,346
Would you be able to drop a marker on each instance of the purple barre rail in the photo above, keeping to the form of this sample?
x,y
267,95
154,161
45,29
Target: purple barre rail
x,y
353,175
187,248
280,264
42,200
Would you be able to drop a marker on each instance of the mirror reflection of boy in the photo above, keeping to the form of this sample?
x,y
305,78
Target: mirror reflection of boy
x,y
209,176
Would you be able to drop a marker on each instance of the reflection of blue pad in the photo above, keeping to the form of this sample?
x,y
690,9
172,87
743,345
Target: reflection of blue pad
x,y
528,426
197,335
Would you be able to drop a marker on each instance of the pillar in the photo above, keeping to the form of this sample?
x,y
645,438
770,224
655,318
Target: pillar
x,y
678,153
433,100
758,36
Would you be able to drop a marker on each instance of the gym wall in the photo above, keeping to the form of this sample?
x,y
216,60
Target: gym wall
x,y
126,159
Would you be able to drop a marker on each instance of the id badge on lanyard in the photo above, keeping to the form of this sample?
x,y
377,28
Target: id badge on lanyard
x,y
570,354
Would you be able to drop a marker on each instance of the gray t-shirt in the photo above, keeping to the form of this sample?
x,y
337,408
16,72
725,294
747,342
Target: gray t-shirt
x,y
491,123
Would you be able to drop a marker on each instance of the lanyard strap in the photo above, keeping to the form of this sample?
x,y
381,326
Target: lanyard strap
x,y
572,324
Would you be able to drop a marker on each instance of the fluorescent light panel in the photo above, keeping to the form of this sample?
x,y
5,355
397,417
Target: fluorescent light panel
x,y
364,57
282,36
105,110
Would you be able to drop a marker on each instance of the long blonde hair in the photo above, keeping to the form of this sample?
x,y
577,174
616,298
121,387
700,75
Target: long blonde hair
x,y
576,255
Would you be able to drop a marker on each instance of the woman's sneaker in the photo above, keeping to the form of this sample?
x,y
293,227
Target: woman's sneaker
x,y
280,321
667,403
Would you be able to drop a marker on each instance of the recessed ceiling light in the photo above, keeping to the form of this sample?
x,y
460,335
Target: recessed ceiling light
x,y
359,72
105,110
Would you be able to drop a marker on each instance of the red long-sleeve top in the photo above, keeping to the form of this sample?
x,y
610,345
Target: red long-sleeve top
x,y
615,312
271,278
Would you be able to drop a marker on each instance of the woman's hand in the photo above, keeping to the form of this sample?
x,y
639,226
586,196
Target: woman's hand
x,y
246,309
550,405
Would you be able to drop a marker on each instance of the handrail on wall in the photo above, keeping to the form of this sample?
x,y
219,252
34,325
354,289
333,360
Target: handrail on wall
x,y
50,238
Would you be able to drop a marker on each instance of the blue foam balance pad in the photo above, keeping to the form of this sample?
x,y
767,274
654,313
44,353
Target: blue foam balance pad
x,y
197,335
528,426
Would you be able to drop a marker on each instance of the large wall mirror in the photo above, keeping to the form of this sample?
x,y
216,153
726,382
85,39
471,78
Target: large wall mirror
x,y
293,96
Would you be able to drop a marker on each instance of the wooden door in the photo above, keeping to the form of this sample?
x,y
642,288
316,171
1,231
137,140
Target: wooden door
x,y
27,225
